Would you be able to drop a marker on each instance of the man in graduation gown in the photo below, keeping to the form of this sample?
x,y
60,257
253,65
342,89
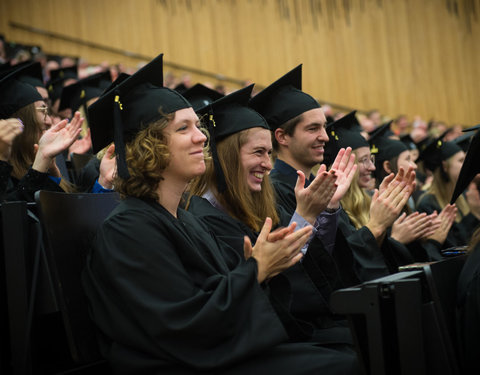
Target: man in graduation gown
x,y
299,140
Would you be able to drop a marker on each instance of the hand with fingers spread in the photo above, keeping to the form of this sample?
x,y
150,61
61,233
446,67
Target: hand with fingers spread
x,y
108,167
81,146
386,206
9,130
344,167
473,198
55,140
408,177
314,199
447,217
276,256
410,228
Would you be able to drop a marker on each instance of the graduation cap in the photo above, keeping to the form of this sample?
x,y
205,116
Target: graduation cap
x,y
200,96
383,130
345,132
15,94
57,78
130,105
476,127
470,167
283,99
437,151
70,72
226,116
29,72
383,147
79,93
181,88
464,141
408,141
423,143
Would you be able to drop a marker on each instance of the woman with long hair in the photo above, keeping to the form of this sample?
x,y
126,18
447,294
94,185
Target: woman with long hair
x,y
166,295
445,160
235,196
365,219
31,154
422,234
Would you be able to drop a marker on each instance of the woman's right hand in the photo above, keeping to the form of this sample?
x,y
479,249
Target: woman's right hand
x,y
276,251
55,140
447,217
410,228
9,130
388,202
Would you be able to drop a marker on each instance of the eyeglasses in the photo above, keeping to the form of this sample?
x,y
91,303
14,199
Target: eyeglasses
x,y
367,160
45,110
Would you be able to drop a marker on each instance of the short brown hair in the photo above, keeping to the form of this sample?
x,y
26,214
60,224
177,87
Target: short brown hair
x,y
289,128
147,156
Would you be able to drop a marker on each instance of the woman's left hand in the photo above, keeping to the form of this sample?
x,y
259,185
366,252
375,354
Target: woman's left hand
x,y
55,140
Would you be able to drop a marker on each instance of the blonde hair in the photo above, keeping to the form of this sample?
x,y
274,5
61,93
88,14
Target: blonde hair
x,y
356,203
249,207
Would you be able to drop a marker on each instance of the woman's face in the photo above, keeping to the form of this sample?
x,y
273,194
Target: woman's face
x,y
185,144
43,116
255,157
454,164
405,161
366,166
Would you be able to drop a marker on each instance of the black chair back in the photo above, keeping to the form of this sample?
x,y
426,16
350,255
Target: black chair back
x,y
70,221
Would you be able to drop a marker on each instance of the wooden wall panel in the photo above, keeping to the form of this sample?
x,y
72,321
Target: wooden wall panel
x,y
400,56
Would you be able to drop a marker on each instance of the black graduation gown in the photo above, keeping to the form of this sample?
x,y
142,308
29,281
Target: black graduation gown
x,y
468,313
24,189
5,172
167,299
460,233
371,261
312,280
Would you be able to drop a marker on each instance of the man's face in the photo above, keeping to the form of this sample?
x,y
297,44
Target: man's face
x,y
306,145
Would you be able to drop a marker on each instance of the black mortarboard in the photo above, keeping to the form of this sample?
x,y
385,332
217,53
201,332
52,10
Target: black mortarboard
x,y
383,147
57,78
283,99
470,167
423,143
73,96
383,130
226,116
436,152
129,106
343,133
181,88
464,140
15,94
70,72
408,141
199,96
29,72
476,127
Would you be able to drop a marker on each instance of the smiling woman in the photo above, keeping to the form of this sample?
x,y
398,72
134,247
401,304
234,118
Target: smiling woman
x,y
165,293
